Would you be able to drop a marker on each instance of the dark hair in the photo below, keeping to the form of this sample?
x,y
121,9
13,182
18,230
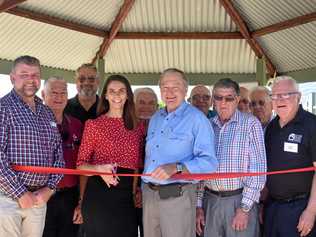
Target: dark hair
x,y
26,59
87,65
227,83
129,115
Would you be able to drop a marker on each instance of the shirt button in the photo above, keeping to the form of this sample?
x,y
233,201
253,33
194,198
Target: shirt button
x,y
161,131
157,146
153,160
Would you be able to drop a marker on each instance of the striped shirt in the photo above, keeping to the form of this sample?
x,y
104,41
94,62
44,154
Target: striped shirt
x,y
239,145
27,138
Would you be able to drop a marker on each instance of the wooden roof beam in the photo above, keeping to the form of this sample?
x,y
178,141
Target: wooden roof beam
x,y
116,25
56,21
8,4
285,25
236,17
178,35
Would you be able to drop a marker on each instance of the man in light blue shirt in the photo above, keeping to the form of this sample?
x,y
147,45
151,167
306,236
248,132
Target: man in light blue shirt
x,y
180,139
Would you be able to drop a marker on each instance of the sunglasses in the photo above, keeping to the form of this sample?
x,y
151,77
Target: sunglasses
x,y
255,103
225,98
283,95
201,97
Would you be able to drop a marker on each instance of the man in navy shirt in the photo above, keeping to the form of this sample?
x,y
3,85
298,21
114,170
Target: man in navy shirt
x,y
290,144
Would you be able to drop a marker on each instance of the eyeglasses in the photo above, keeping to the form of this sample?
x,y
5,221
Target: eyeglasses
x,y
82,79
255,103
284,96
201,97
225,98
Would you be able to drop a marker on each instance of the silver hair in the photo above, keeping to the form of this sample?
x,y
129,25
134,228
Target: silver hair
x,y
174,71
145,90
261,89
51,79
286,78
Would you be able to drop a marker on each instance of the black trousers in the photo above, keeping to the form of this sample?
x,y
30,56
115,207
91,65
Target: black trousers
x,y
110,211
281,218
60,210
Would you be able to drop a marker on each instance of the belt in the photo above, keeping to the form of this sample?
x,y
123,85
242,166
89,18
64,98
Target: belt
x,y
224,193
33,188
291,199
156,187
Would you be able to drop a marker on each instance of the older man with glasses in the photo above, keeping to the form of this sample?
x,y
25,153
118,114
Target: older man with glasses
x,y
201,98
261,105
290,144
229,207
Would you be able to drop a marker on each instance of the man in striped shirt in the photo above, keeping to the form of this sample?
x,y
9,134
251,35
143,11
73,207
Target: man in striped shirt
x,y
28,137
228,207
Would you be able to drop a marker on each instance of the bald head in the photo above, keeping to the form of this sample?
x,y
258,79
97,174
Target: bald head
x,y
200,97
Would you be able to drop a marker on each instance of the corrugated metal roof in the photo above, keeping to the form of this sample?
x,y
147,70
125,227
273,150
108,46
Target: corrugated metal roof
x,y
97,13
198,56
292,49
258,13
178,16
54,46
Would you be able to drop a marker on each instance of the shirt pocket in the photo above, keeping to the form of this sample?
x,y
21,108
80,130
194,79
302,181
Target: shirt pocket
x,y
181,144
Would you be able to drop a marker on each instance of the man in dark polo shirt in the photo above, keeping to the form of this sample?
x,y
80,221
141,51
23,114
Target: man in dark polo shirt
x,y
290,144
61,212
84,105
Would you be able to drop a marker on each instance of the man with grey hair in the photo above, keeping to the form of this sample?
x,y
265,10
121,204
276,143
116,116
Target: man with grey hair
x,y
84,105
201,98
229,207
146,104
28,137
290,144
261,105
179,140
243,104
63,209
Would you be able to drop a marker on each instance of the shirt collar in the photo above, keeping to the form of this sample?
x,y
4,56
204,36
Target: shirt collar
x,y
18,98
234,118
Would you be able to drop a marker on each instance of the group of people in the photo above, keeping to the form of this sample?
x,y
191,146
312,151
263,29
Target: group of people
x,y
120,131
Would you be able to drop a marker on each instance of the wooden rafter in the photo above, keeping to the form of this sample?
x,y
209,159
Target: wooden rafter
x,y
157,35
123,35
178,35
56,21
236,17
285,25
116,25
8,4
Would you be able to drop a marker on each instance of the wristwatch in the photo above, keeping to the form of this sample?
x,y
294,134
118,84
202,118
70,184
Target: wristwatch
x,y
245,208
179,167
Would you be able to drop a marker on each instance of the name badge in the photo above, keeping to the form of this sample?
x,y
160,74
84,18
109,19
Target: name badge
x,y
290,147
53,124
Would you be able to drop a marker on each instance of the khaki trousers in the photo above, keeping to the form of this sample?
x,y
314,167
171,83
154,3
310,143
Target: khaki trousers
x,y
18,222
172,217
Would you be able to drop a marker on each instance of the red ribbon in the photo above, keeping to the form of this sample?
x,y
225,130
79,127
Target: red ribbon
x,y
51,170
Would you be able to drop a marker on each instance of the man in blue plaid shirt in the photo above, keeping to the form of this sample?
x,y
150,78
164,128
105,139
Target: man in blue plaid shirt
x,y
229,207
28,137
